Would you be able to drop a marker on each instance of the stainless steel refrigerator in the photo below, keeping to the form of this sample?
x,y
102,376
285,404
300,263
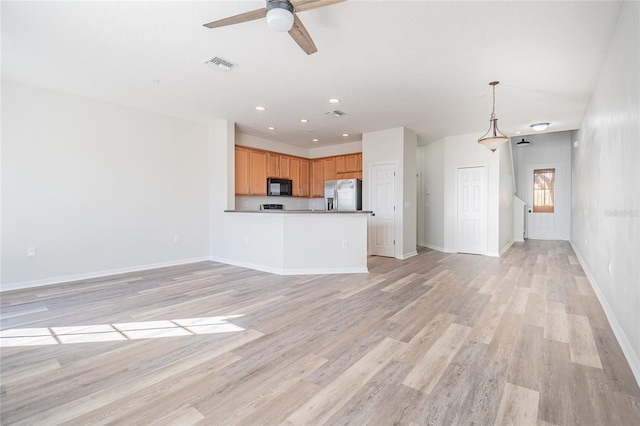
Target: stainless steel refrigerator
x,y
343,194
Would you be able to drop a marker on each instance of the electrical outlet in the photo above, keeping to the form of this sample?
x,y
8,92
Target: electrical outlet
x,y
345,243
176,238
31,251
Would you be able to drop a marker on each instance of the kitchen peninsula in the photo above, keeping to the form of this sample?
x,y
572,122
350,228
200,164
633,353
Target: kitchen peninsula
x,y
292,242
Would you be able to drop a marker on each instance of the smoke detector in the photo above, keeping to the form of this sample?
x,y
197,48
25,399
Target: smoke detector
x,y
218,62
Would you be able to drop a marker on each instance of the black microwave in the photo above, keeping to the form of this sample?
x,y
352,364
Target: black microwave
x,y
278,186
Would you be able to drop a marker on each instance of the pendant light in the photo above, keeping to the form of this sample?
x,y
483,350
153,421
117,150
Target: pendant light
x,y
493,138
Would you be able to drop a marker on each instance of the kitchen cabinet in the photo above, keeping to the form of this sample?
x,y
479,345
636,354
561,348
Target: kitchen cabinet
x,y
329,168
299,172
278,165
251,171
242,171
304,178
351,162
253,166
317,179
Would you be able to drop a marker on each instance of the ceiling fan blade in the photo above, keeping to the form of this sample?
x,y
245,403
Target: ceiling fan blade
x,y
304,5
300,35
237,19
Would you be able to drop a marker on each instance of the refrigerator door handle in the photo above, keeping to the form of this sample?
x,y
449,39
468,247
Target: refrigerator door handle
x,y
336,205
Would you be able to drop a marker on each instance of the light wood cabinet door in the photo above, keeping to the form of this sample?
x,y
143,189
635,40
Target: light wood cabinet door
x,y
359,162
294,169
284,167
317,179
273,166
257,173
341,165
242,171
304,178
278,166
329,166
351,163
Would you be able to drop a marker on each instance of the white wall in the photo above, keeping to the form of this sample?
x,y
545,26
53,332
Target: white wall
x,y
328,151
506,192
410,195
606,186
389,147
96,188
270,145
546,148
431,210
464,151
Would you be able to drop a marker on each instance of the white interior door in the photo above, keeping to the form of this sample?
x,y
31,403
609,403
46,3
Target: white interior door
x,y
544,184
472,210
383,196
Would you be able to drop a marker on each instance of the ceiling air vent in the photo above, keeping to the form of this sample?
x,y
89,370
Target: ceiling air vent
x,y
218,62
335,113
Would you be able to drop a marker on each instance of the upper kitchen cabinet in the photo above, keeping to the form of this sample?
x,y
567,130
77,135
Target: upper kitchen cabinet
x,y
254,166
251,172
278,165
349,166
304,178
299,168
329,168
317,178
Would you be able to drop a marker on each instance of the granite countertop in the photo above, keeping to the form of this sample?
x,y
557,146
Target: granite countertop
x,y
300,211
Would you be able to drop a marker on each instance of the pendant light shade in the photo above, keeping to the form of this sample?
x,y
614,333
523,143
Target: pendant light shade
x,y
493,138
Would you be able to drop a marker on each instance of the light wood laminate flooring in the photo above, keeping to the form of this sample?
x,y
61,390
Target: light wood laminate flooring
x,y
439,338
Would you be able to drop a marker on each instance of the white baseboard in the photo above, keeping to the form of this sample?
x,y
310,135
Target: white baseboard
x,y
506,248
627,349
408,255
432,247
99,274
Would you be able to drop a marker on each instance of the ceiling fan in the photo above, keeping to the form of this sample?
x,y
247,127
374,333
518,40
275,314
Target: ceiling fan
x,y
281,16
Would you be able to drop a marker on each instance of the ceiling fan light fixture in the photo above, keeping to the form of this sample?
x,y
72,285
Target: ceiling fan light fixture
x,y
493,138
280,15
523,143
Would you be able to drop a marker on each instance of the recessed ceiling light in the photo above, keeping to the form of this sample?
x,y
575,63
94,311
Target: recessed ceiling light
x,y
314,140
345,135
261,108
538,127
271,128
304,120
334,101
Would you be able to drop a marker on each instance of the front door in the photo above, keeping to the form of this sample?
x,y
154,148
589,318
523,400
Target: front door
x,y
383,196
543,207
472,210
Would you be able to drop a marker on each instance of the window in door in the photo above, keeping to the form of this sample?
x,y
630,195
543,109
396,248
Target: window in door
x,y
543,190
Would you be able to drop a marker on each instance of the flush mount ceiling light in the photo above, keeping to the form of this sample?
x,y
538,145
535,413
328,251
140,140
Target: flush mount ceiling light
x,y
345,135
493,138
304,120
334,101
279,15
261,108
538,127
271,128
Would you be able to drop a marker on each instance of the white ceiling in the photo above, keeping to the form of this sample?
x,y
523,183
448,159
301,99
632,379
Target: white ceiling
x,y
425,65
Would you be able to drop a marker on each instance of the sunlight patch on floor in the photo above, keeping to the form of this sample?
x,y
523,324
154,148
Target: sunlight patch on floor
x,y
42,336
